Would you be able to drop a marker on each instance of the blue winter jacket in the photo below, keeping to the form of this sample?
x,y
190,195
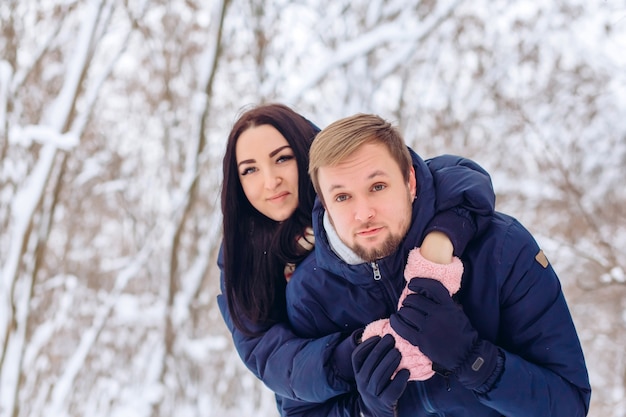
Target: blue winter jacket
x,y
510,294
301,368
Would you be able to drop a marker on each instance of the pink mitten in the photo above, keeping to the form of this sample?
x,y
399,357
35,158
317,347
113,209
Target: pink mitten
x,y
418,266
418,364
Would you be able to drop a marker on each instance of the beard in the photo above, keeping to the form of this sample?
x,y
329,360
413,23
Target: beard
x,y
389,246
391,243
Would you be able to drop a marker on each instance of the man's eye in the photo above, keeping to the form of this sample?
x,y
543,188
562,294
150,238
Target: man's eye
x,y
341,197
379,187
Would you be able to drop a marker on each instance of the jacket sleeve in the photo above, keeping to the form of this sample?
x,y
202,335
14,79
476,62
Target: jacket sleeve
x,y
277,355
544,366
342,406
465,199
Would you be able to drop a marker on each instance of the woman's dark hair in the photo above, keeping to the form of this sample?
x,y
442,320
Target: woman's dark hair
x,y
256,248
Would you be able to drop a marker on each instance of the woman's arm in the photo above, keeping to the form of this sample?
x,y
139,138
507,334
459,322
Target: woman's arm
x,y
276,354
437,247
273,355
465,199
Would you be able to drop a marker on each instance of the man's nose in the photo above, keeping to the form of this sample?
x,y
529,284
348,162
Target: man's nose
x,y
363,212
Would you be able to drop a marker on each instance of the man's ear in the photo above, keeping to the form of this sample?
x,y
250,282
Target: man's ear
x,y
412,183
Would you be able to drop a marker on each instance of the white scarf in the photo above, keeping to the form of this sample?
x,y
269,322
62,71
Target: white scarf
x,y
341,249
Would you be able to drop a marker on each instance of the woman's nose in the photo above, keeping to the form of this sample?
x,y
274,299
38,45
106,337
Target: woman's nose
x,y
272,181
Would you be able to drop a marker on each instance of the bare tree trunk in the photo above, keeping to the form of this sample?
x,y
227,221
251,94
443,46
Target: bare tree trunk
x,y
189,188
29,247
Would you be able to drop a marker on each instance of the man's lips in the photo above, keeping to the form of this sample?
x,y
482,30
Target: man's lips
x,y
369,231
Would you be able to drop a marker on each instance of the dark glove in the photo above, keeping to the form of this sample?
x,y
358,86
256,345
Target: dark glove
x,y
342,356
374,361
431,319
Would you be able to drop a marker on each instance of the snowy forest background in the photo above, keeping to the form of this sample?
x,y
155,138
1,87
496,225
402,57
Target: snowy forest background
x,y
113,121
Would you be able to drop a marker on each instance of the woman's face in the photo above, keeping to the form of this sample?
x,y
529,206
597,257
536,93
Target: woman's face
x,y
268,171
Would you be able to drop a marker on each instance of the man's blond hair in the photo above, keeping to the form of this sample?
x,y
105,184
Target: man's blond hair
x,y
344,137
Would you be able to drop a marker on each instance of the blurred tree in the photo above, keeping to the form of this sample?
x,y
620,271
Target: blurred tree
x,y
113,118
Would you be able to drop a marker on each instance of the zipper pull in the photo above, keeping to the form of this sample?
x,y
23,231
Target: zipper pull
x,y
377,275
444,373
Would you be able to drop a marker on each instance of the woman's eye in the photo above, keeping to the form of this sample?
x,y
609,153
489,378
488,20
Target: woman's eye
x,y
284,158
247,171
341,197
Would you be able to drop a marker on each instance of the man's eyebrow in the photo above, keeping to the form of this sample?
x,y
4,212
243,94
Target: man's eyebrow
x,y
377,173
333,187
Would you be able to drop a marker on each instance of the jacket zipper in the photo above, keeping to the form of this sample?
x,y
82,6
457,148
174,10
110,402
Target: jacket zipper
x,y
421,390
392,296
376,269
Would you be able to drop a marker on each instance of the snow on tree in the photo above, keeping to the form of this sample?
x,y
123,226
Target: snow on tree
x,y
113,121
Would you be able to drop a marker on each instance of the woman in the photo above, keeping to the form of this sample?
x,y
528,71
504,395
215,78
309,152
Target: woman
x,y
267,200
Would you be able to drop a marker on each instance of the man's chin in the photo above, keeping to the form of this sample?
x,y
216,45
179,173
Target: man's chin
x,y
374,252
371,254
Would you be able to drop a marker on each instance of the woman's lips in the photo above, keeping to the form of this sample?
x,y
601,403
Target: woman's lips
x,y
278,197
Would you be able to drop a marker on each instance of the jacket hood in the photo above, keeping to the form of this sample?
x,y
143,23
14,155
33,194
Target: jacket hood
x,y
423,211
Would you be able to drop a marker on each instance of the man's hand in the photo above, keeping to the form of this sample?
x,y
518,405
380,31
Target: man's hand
x,y
429,318
374,362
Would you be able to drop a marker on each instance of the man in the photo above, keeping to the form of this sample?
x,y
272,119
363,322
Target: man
x,y
505,344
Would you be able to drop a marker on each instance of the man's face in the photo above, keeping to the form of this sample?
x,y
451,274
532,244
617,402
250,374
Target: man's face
x,y
368,201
